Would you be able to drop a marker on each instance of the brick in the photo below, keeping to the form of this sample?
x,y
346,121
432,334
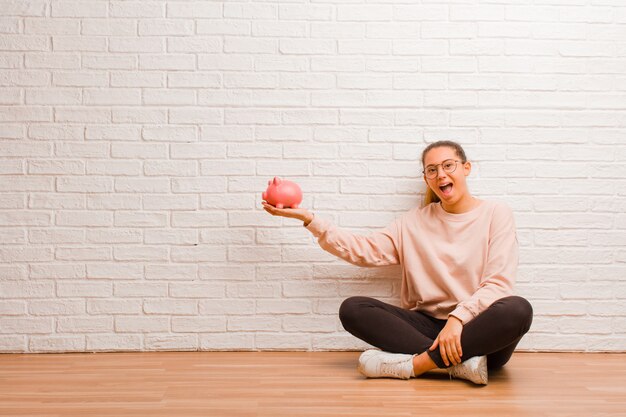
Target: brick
x,y
24,43
114,271
234,167
26,325
170,168
84,289
140,324
136,44
111,61
79,43
48,26
26,183
174,307
227,341
10,25
198,324
140,289
115,201
172,133
114,236
25,114
12,308
142,219
226,62
79,9
170,202
126,79
194,79
197,44
56,201
165,27
84,324
226,272
113,342
197,151
114,306
178,97
19,289
193,185
114,133
228,306
84,218
172,236
278,341
140,253
23,79
226,236
258,323
142,185
194,9
250,11
13,272
139,150
139,115
197,290
57,344
171,272
136,9
202,253
111,27
171,342
111,96
53,96
86,115
56,236
75,150
234,44
83,253
11,167
56,167
52,60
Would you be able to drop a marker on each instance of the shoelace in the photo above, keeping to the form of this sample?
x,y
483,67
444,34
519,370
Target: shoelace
x,y
390,368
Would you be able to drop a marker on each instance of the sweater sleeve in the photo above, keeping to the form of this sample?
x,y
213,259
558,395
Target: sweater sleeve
x,y
376,249
499,275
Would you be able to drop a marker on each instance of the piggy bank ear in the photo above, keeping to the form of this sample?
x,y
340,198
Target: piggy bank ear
x,y
269,182
277,180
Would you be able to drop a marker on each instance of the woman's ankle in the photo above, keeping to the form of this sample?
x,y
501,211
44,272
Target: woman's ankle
x,y
423,363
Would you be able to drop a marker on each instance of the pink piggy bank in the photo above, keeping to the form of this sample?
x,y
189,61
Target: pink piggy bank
x,y
282,193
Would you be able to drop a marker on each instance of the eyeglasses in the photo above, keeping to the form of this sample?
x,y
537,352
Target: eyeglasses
x,y
449,165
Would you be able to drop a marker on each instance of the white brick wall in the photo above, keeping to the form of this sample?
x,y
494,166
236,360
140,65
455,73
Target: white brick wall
x,y
136,138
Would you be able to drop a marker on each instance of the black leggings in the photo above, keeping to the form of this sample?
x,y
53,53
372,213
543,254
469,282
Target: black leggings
x,y
495,332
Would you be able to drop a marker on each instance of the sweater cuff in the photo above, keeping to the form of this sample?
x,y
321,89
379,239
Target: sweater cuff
x,y
463,314
316,226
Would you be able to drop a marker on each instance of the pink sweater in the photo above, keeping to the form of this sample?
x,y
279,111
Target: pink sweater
x,y
452,264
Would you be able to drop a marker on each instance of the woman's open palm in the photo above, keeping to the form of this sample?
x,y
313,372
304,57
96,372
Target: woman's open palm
x,y
295,213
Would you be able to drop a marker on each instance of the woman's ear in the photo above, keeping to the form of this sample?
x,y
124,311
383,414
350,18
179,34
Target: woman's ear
x,y
467,167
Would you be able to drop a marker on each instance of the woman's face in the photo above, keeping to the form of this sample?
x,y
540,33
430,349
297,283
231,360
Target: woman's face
x,y
453,194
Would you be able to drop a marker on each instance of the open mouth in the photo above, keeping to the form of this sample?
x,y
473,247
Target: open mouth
x,y
446,189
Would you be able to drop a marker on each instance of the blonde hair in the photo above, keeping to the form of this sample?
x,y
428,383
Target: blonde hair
x,y
430,196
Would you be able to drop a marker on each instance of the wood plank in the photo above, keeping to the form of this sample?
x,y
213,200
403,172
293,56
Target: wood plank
x,y
300,384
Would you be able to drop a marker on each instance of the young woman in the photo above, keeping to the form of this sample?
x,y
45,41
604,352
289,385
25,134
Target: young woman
x,y
459,258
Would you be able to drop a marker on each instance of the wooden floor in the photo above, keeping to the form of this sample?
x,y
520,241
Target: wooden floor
x,y
300,384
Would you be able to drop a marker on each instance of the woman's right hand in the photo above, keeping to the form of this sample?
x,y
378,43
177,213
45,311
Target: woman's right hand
x,y
296,213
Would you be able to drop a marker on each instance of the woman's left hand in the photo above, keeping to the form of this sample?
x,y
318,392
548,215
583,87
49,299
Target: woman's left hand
x,y
449,341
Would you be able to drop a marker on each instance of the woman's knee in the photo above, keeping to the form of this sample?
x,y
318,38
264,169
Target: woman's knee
x,y
519,310
349,309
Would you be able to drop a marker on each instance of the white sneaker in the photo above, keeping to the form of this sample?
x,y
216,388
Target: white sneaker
x,y
375,363
474,369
